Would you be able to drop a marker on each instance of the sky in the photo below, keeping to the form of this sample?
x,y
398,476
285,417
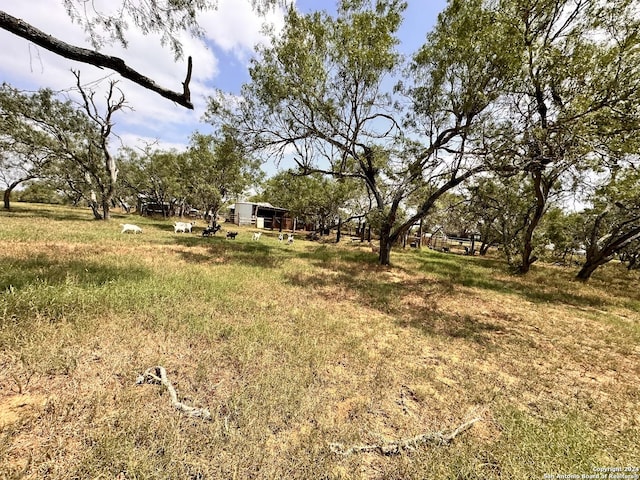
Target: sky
x,y
220,60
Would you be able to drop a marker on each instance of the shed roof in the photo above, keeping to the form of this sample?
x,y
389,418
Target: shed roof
x,y
266,205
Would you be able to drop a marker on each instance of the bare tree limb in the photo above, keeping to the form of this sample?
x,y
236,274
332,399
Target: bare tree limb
x,y
410,444
159,375
22,29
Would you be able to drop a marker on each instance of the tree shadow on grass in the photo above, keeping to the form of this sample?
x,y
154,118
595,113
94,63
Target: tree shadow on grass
x,y
466,327
42,269
396,291
412,302
541,285
322,255
221,250
413,296
48,212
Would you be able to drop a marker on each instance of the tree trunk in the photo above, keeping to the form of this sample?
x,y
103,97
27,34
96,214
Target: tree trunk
x,y
385,251
106,209
7,196
339,230
95,206
10,188
541,201
112,173
588,268
106,200
527,259
124,205
214,209
597,257
385,243
96,210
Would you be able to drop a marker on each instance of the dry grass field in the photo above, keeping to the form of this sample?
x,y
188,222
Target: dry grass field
x,y
295,347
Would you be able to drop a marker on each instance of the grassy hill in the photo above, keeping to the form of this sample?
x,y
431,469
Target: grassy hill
x,y
295,347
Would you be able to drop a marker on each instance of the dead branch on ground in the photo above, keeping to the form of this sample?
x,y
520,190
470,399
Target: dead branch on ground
x,y
158,375
409,444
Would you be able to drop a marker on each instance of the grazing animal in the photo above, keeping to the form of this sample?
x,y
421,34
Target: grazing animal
x,y
289,238
211,231
280,237
375,248
129,227
183,227
232,235
256,236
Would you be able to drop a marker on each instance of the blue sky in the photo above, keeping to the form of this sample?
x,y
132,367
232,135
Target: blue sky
x,y
220,61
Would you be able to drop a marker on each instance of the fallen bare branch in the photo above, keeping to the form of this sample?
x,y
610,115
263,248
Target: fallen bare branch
x,y
409,444
158,375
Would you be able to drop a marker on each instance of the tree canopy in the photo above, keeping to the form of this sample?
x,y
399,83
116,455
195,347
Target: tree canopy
x,y
72,140
212,171
218,169
316,198
613,222
573,99
324,91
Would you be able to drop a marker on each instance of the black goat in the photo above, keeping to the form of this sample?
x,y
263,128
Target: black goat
x,y
211,230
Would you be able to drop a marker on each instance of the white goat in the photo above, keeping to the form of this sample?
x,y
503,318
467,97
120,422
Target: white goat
x,y
289,238
183,227
256,236
129,227
281,237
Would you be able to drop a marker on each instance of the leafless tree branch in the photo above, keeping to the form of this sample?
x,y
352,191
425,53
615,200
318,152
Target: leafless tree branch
x,y
22,29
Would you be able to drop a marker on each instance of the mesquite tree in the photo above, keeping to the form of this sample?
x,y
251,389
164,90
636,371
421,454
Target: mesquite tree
x,y
322,94
153,176
318,199
25,149
75,139
574,92
99,166
212,171
613,222
216,169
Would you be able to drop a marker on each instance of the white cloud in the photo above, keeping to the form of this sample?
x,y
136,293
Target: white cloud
x,y
236,28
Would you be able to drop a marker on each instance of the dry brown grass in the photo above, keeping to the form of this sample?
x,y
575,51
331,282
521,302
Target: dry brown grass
x,y
293,347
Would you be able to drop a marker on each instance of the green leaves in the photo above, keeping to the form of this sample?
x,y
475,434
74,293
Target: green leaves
x,y
543,88
314,198
165,17
213,170
465,64
321,78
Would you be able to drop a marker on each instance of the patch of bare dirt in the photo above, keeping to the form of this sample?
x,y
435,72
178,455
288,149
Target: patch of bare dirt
x,y
16,407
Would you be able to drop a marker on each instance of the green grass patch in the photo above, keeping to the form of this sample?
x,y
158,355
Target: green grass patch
x,y
293,347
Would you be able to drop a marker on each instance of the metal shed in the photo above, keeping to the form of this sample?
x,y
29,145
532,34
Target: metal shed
x,y
260,215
